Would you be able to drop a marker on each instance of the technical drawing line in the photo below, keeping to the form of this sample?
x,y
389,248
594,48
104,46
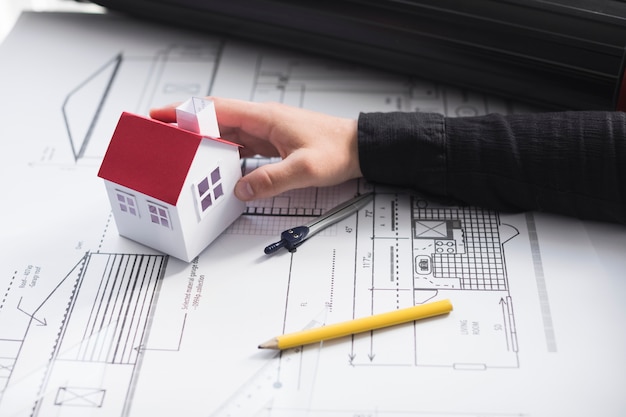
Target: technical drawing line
x,y
315,372
142,348
291,255
255,395
542,290
78,153
505,322
6,293
155,67
32,316
366,260
79,263
104,231
218,59
509,323
332,281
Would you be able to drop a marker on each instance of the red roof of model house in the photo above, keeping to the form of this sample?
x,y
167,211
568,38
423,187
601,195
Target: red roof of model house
x,y
151,157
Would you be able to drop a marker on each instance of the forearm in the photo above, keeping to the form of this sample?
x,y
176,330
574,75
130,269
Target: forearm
x,y
571,163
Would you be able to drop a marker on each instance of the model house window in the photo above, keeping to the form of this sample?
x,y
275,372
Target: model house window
x,y
159,214
127,203
209,190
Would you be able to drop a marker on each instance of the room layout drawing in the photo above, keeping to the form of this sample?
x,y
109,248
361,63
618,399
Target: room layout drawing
x,y
315,83
399,251
79,348
405,250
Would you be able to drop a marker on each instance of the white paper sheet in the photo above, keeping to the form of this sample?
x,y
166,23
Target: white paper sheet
x,y
93,324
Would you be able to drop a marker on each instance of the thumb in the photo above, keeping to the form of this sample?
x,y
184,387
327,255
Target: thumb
x,y
268,181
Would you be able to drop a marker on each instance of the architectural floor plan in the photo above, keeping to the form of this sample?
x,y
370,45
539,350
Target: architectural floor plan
x,y
93,324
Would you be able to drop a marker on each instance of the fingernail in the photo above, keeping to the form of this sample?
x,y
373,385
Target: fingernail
x,y
243,191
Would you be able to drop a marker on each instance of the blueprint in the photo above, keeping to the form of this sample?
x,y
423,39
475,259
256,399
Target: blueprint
x,y
93,324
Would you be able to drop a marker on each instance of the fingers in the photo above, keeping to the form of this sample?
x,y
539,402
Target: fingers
x,y
271,179
165,114
254,119
246,123
316,149
247,116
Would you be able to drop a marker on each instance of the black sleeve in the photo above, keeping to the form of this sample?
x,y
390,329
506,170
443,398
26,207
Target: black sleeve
x,y
571,163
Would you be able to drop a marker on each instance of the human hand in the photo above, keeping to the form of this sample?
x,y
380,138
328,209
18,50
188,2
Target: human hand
x,y
316,149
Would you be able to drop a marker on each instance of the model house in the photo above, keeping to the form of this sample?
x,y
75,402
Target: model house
x,y
171,186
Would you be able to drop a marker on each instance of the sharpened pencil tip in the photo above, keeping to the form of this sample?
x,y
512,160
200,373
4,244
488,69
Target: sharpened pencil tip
x,y
270,344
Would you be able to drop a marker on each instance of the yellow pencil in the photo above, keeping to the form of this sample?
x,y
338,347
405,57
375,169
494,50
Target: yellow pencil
x,y
364,324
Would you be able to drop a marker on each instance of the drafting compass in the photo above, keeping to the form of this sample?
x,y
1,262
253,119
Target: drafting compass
x,y
290,239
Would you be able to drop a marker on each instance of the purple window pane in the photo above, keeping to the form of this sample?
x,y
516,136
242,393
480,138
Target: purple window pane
x,y
132,211
152,209
154,219
130,202
215,175
123,207
206,202
162,212
218,191
203,187
165,223
121,198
